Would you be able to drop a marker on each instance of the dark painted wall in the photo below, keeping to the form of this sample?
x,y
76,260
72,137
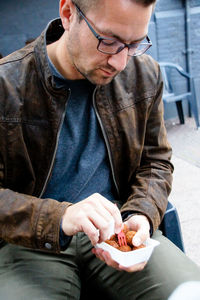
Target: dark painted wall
x,y
24,19
169,23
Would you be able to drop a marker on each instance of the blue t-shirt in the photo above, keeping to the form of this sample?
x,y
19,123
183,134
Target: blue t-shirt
x,y
81,165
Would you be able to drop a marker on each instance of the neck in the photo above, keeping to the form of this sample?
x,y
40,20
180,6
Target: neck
x,y
59,56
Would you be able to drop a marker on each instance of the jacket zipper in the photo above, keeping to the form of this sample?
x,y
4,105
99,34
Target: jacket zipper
x,y
106,141
55,149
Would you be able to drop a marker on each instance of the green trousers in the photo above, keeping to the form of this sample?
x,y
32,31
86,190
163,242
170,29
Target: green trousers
x,y
76,273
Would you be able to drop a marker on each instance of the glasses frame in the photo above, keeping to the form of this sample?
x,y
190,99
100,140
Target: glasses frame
x,y
124,45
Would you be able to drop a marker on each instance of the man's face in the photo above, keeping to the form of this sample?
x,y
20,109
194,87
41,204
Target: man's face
x,y
124,20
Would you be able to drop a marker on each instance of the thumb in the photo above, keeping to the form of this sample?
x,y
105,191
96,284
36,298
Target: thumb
x,y
140,237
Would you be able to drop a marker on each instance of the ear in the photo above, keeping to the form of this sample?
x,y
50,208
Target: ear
x,y
67,11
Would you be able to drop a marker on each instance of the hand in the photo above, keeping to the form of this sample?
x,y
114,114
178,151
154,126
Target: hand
x,y
92,216
138,223
105,256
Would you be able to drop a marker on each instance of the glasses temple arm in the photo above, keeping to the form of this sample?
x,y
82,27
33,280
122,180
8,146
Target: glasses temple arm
x,y
88,24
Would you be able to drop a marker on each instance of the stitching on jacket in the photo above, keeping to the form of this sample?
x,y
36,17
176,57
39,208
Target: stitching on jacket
x,y
15,60
134,103
21,121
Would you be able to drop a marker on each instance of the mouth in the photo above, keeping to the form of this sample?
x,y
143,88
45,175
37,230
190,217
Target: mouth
x,y
107,73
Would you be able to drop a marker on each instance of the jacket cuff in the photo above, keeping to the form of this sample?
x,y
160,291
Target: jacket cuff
x,y
48,225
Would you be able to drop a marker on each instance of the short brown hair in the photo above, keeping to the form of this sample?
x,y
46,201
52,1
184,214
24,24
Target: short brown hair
x,y
85,5
145,2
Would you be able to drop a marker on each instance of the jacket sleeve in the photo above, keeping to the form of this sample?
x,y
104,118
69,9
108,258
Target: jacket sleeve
x,y
24,220
29,221
151,183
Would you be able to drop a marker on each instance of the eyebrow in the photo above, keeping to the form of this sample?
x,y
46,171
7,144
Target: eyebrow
x,y
111,34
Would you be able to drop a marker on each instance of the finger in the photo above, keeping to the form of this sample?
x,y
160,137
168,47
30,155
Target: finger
x,y
97,253
106,208
141,236
106,257
137,221
115,213
140,224
102,225
109,261
103,211
91,231
134,268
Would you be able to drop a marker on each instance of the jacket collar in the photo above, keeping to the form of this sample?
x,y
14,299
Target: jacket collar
x,y
52,33
134,84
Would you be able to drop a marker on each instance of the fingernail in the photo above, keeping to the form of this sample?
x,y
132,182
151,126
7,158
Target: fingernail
x,y
137,241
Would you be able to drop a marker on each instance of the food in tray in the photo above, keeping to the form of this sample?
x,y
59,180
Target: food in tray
x,y
113,241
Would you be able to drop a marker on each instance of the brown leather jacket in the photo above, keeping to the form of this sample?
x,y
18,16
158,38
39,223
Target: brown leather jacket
x,y
130,112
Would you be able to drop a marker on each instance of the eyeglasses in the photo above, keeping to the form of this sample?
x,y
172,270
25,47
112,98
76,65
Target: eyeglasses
x,y
112,46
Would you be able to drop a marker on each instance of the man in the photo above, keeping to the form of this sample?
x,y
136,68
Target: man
x,y
82,135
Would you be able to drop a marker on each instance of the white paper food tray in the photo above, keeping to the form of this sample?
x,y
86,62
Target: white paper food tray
x,y
130,258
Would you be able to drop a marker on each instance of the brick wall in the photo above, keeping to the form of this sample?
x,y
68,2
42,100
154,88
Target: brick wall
x,y
24,19
169,30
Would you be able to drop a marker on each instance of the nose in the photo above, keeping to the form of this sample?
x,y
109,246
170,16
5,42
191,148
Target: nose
x,y
119,61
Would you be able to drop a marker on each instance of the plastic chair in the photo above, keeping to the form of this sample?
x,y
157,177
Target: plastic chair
x,y
171,228
170,95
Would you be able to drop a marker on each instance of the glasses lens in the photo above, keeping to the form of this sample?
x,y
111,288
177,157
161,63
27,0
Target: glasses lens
x,y
110,46
138,49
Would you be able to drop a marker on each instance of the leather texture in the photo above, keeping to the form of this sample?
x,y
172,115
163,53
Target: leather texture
x,y
130,111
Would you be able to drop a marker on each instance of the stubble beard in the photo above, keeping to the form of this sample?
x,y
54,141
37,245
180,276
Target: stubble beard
x,y
94,78
91,75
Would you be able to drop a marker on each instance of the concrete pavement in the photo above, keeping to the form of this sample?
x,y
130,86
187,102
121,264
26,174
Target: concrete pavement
x,y
185,195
